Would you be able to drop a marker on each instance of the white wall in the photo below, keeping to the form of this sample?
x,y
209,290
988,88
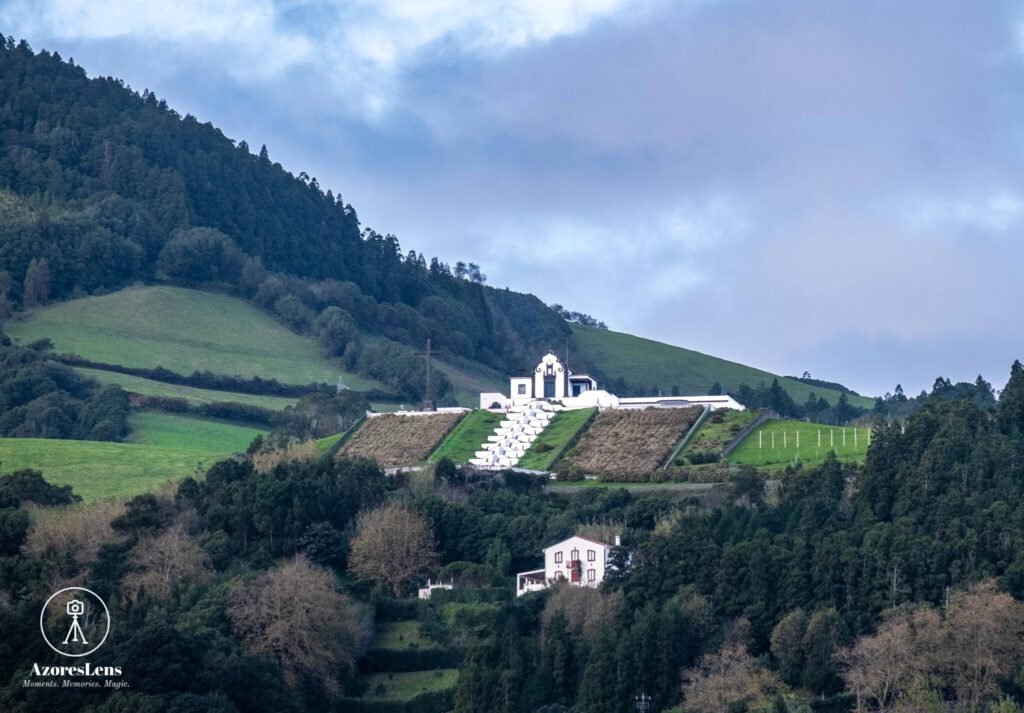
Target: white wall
x,y
557,571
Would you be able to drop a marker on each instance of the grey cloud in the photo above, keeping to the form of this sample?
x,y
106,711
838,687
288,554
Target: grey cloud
x,y
869,155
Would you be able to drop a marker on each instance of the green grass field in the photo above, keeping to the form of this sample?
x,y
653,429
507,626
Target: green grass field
x,y
148,387
650,363
168,430
780,443
102,470
165,447
543,452
406,686
181,330
715,436
400,636
468,436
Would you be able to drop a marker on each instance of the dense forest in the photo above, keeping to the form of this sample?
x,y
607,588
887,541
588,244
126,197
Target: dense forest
x,y
101,186
895,585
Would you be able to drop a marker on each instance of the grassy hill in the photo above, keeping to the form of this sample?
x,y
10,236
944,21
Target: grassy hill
x,y
165,447
148,387
181,330
780,443
647,362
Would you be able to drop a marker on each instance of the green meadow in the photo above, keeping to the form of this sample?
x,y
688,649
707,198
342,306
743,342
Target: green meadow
x,y
550,444
648,363
468,436
780,443
184,331
406,686
401,636
164,447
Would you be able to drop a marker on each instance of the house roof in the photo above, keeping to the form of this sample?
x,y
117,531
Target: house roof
x,y
576,537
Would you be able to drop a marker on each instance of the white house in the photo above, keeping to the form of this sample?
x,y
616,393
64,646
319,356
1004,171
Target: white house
x,y
578,561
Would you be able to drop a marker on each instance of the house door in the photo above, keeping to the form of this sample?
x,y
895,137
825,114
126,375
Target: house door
x,y
549,387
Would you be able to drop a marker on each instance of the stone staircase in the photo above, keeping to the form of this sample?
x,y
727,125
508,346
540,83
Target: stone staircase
x,y
514,435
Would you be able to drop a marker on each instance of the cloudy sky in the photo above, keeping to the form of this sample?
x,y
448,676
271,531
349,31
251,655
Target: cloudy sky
x,y
824,185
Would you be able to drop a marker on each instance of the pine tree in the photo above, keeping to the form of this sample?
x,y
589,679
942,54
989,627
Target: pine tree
x,y
1010,411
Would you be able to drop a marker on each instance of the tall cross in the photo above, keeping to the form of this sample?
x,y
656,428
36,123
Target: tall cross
x,y
428,402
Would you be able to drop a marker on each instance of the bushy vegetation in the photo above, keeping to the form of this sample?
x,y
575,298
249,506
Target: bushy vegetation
x,y
626,444
394,440
43,399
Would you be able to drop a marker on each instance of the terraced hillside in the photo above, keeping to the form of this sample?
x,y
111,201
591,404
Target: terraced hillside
x,y
649,363
628,445
398,440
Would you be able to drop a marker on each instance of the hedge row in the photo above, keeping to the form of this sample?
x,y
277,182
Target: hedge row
x,y
226,410
217,382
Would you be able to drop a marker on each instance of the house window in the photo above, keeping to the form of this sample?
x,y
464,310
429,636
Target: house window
x,y
558,558
575,556
591,555
521,389
559,575
591,575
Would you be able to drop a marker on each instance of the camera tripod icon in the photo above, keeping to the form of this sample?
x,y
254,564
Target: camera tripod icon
x,y
75,609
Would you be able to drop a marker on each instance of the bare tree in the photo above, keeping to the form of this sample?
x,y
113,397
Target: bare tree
x,y
918,653
295,615
982,642
393,546
165,561
77,532
587,611
726,680
879,668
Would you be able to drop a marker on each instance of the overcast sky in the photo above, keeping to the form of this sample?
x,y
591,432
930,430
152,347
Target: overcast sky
x,y
823,186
